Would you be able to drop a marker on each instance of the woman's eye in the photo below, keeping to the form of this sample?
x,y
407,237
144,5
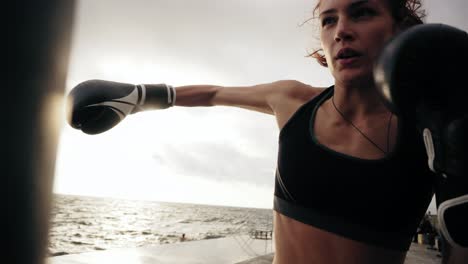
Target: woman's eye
x,y
327,20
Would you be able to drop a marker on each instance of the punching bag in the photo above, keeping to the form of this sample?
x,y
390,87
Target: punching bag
x,y
39,34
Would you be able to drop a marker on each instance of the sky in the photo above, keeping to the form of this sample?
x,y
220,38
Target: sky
x,y
205,155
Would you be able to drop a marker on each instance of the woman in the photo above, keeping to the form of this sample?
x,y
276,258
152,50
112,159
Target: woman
x,y
344,159
339,214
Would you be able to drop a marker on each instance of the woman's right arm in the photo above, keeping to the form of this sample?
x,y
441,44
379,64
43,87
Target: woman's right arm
x,y
95,106
266,98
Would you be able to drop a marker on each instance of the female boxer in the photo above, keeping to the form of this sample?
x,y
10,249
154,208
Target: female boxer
x,y
344,162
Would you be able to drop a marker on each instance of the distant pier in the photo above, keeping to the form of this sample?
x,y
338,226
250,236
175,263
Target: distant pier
x,y
261,234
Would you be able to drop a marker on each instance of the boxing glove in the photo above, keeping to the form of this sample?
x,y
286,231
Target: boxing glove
x,y
96,106
420,76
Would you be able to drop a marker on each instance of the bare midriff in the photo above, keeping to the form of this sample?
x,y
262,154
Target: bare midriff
x,y
296,242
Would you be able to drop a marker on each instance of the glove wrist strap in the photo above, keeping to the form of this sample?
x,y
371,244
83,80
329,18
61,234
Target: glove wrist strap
x,y
156,96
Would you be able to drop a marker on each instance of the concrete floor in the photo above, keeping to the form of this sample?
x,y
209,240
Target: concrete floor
x,y
418,254
239,249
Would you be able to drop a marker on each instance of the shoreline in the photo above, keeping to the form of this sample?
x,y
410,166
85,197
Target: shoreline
x,y
234,249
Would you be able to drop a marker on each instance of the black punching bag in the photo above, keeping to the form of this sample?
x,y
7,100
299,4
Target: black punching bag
x,y
38,45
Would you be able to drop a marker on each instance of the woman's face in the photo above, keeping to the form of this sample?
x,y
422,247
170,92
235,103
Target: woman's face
x,y
353,33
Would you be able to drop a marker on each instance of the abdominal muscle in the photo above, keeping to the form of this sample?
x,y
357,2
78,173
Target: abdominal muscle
x,y
296,242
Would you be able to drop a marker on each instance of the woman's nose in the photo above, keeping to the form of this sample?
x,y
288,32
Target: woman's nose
x,y
343,31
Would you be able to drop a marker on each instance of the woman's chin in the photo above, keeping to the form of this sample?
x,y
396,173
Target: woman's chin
x,y
354,76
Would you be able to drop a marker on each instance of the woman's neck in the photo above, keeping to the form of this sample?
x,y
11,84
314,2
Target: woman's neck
x,y
358,99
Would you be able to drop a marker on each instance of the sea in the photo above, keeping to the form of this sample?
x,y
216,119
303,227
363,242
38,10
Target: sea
x,y
82,224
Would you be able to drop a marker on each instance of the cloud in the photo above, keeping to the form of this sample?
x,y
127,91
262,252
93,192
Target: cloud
x,y
453,14
227,38
223,162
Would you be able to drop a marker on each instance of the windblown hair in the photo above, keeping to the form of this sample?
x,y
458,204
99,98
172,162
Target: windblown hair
x,y
406,13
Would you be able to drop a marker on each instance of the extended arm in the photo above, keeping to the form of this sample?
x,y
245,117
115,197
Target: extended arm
x,y
262,98
96,106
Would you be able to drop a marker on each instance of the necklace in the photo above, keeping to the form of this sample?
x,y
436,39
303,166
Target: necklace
x,y
362,133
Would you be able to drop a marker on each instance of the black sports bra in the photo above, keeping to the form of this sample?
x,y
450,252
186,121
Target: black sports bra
x,y
380,202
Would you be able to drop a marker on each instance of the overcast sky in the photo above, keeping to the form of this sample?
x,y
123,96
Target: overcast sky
x,y
216,155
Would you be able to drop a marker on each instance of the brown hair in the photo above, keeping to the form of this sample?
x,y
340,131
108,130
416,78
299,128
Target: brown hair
x,y
406,13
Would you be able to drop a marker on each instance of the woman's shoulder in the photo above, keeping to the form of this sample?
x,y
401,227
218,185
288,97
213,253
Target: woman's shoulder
x,y
298,90
291,95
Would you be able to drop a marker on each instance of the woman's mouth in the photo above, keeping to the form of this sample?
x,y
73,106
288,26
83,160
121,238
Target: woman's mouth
x,y
347,53
347,56
348,61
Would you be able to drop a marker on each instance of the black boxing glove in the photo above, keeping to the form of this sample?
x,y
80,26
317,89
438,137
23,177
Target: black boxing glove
x,y
420,79
96,106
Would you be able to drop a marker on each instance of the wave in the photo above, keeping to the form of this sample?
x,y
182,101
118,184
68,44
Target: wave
x,y
86,223
213,219
213,236
186,221
79,243
60,253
